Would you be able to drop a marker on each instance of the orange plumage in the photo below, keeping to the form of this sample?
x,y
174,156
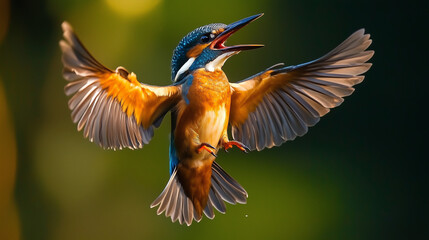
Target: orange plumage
x,y
116,111
203,120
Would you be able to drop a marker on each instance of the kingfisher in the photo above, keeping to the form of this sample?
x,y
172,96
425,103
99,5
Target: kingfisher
x,y
116,111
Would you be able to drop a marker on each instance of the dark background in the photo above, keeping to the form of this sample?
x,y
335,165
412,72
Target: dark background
x,y
361,173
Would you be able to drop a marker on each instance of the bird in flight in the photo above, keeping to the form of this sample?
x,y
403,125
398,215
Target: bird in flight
x,y
115,110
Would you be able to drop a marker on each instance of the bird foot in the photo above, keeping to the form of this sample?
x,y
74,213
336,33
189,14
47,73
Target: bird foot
x,y
209,148
230,144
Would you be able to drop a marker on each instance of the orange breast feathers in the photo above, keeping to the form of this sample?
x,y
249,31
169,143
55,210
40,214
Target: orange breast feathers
x,y
209,88
205,115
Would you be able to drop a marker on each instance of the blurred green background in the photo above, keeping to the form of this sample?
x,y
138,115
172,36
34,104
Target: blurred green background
x,y
361,173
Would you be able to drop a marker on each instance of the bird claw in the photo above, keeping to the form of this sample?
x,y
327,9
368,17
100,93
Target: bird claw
x,y
238,144
209,148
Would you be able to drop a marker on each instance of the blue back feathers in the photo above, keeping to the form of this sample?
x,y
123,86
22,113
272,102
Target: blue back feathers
x,y
174,160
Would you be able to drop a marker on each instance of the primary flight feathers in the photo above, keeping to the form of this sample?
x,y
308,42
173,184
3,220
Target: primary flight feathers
x,y
279,104
112,107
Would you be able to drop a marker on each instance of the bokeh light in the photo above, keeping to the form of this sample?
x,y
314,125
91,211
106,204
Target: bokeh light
x,y
132,8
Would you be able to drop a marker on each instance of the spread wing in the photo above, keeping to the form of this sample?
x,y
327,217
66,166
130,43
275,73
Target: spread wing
x,y
279,104
112,107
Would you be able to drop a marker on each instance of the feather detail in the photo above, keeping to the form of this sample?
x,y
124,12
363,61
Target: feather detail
x,y
112,108
280,103
178,206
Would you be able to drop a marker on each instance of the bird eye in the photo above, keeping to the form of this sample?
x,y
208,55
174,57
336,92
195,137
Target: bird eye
x,y
207,37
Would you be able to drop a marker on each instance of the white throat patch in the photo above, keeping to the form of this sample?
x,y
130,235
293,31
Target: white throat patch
x,y
219,61
184,68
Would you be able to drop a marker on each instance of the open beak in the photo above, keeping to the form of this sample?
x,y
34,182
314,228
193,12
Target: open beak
x,y
219,41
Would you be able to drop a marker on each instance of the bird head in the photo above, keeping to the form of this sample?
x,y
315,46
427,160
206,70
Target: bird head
x,y
205,47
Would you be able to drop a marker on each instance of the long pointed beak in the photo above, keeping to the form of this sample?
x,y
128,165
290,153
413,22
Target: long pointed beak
x,y
218,42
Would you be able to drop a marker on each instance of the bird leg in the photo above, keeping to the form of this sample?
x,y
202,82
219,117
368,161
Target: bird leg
x,y
209,148
226,144
238,144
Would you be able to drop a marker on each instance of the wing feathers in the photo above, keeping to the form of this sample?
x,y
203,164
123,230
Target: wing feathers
x,y
279,104
113,108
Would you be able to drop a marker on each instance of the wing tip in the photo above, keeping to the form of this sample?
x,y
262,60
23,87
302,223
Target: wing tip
x,y
67,31
66,26
370,53
63,45
361,31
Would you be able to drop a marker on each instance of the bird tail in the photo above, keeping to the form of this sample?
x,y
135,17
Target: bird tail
x,y
176,205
